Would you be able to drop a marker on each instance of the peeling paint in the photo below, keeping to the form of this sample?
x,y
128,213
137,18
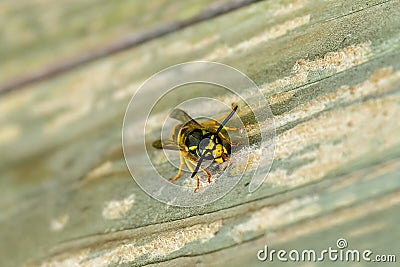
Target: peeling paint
x,y
333,61
115,209
285,9
59,223
370,120
281,97
73,114
181,46
101,171
379,82
127,92
270,34
273,33
68,260
163,245
337,61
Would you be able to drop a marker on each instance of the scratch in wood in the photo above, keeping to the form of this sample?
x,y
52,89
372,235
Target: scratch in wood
x,y
368,6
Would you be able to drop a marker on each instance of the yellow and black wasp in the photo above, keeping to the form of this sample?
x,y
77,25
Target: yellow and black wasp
x,y
198,141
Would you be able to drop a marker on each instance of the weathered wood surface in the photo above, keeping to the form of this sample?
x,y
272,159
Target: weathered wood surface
x,y
329,69
78,31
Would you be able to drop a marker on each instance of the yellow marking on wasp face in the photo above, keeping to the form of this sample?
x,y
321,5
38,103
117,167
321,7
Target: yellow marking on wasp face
x,y
217,152
193,147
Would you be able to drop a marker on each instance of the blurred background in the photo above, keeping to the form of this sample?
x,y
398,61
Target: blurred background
x,y
329,70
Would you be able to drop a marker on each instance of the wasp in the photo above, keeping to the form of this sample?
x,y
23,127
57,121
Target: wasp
x,y
198,141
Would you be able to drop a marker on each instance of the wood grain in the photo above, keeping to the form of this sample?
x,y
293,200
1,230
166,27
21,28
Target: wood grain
x,y
331,73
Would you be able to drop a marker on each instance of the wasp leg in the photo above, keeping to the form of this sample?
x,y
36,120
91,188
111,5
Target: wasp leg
x,y
179,170
192,170
226,139
208,174
232,128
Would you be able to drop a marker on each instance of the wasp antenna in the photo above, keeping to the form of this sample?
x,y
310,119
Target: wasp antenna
x,y
198,165
226,119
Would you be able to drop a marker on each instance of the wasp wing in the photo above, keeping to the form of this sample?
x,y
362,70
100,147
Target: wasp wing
x,y
166,144
180,115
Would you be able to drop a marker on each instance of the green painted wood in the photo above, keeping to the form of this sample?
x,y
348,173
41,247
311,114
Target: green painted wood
x,y
36,34
330,70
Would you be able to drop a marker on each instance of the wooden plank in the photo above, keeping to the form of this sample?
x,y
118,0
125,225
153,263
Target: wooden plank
x,y
330,70
71,33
